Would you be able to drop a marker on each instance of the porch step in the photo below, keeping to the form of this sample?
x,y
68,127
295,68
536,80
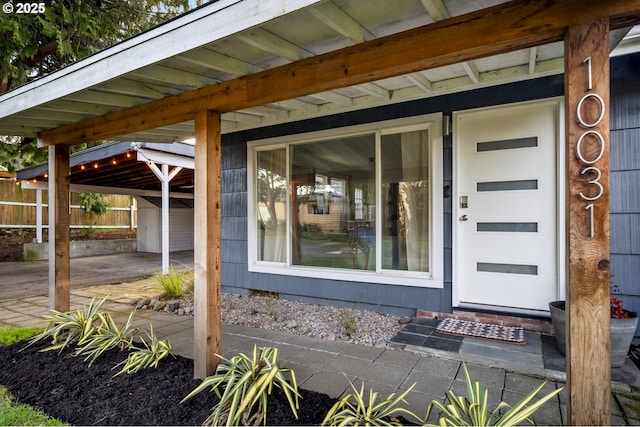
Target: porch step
x,y
530,324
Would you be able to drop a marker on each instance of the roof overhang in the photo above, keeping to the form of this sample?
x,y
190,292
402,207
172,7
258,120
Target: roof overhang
x,y
230,41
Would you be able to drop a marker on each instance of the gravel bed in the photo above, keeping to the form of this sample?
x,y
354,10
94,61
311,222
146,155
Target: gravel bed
x,y
295,317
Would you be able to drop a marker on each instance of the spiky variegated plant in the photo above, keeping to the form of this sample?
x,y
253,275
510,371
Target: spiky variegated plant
x,y
242,382
368,412
66,328
146,357
106,336
474,410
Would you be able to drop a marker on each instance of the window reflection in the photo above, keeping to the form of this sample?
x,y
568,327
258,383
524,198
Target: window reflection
x,y
333,203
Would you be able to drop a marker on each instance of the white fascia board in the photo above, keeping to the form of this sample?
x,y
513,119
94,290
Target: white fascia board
x,y
161,157
197,28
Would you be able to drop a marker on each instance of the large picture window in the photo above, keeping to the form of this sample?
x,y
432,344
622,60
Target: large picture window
x,y
358,206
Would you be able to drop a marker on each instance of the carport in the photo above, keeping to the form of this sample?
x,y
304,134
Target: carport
x,y
149,170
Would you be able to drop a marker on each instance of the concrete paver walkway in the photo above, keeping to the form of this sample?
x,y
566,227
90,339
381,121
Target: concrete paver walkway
x,y
321,365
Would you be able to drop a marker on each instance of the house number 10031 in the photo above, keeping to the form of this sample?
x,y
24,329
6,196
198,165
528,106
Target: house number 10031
x,y
594,137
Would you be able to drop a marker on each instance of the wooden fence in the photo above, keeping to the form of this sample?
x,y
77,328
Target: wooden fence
x,y
18,209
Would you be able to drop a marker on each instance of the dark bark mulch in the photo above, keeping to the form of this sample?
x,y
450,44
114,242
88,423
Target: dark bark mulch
x,y
66,387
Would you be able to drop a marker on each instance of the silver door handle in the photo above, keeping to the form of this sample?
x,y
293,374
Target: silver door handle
x,y
463,218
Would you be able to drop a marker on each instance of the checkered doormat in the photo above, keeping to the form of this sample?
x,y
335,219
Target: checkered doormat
x,y
507,334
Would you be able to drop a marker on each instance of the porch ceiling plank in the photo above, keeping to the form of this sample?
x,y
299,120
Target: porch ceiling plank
x,y
533,56
436,9
61,117
264,111
269,42
76,107
523,24
35,123
421,81
243,118
219,61
296,104
341,22
472,71
124,86
335,98
375,90
28,131
173,76
103,98
588,217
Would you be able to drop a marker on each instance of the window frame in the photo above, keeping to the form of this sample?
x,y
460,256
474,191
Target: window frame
x,y
432,279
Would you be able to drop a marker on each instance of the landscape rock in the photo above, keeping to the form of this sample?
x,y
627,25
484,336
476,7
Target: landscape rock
x,y
173,305
292,324
404,320
159,305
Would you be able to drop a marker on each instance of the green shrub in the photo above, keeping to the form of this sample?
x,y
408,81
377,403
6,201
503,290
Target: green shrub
x,y
348,320
95,332
354,410
148,356
69,327
474,410
242,382
106,337
94,202
172,283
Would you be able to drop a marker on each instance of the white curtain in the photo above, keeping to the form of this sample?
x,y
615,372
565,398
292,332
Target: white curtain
x,y
272,204
414,199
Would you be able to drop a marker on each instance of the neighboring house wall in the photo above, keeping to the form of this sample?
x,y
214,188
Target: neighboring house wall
x,y
625,180
394,299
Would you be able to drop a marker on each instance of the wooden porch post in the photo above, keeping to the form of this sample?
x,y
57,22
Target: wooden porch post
x,y
207,215
59,219
587,123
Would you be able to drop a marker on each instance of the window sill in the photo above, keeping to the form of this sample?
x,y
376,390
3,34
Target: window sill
x,y
384,277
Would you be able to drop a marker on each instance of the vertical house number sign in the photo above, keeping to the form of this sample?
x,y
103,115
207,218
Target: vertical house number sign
x,y
591,136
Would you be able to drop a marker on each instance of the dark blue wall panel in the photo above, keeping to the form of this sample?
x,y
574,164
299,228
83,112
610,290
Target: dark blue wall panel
x,y
384,298
625,181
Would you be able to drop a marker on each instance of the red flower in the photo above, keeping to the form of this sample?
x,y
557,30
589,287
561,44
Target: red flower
x,y
616,309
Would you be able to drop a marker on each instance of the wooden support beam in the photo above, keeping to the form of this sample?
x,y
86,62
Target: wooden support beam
x,y
59,221
587,131
206,254
523,24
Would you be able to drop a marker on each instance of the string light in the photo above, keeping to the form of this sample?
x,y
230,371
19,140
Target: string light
x,y
46,175
128,155
113,161
95,166
81,167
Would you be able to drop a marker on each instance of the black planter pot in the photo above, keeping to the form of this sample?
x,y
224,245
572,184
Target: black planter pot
x,y
622,331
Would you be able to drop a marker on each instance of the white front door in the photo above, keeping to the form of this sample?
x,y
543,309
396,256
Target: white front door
x,y
506,209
